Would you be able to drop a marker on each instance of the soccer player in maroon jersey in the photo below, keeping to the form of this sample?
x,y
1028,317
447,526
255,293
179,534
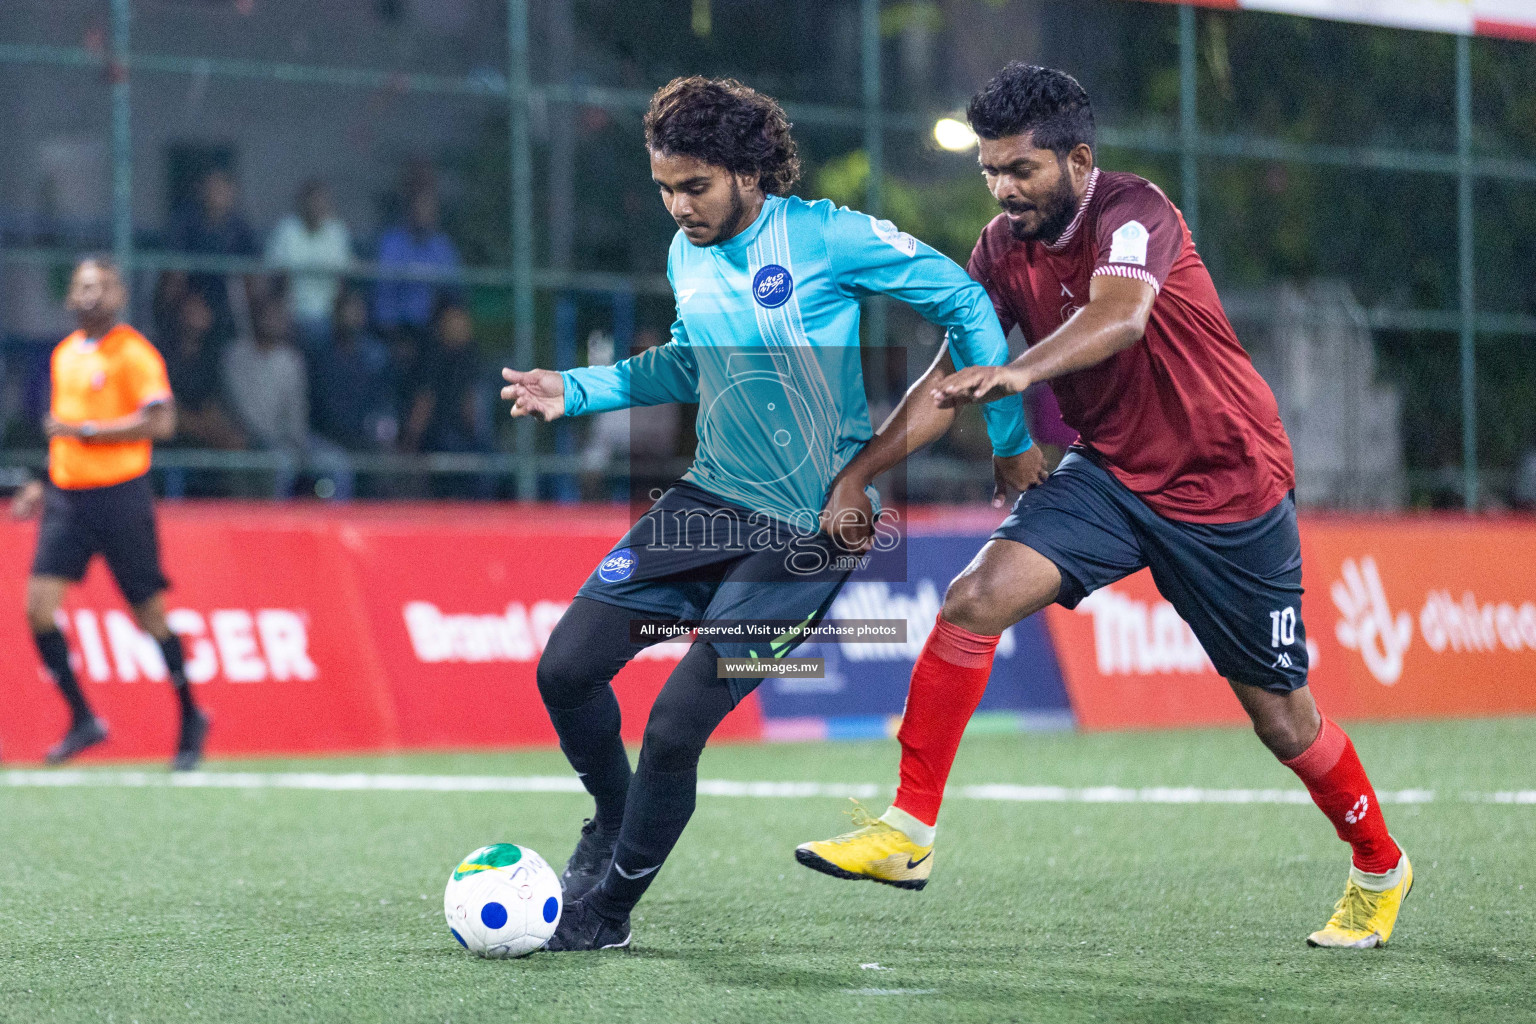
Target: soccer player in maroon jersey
x,y
1182,466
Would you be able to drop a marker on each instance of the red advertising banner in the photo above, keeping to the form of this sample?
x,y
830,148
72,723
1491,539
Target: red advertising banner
x,y
314,629
1405,617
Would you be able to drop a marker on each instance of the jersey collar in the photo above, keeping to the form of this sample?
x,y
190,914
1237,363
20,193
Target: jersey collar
x,y
1082,207
88,343
750,233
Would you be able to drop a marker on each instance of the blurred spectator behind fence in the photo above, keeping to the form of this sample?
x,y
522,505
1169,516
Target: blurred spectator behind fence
x,y
313,247
403,309
265,381
642,440
192,363
448,412
353,383
1525,482
212,226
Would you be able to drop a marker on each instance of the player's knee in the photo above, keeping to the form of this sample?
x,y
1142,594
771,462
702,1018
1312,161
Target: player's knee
x,y
150,617
974,602
564,680
40,619
1285,736
41,609
671,743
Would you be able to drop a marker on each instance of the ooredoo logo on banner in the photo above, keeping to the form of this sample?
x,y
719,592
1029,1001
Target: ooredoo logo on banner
x,y
1436,617
1404,618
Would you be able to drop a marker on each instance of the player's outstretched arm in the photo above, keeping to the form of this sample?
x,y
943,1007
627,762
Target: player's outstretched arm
x,y
870,257
658,376
538,393
1114,319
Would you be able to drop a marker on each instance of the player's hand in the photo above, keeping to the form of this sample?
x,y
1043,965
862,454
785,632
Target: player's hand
x,y
25,503
1017,473
849,517
58,428
979,384
539,393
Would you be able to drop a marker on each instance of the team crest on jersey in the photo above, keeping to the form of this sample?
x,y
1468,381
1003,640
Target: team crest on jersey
x,y
618,566
98,380
772,286
1129,244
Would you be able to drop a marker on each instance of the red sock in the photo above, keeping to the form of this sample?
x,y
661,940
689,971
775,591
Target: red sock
x,y
1334,776
947,683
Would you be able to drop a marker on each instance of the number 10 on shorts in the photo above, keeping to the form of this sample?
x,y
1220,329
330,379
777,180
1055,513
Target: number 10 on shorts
x,y
1282,627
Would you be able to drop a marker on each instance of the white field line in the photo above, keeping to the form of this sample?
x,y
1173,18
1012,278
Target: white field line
x,y
405,783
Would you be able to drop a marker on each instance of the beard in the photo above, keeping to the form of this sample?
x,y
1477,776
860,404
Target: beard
x,y
732,221
1057,209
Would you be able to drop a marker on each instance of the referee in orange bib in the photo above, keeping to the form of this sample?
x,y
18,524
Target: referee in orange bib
x,y
111,400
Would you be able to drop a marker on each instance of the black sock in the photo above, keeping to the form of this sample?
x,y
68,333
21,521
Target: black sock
x,y
589,736
660,804
176,667
55,654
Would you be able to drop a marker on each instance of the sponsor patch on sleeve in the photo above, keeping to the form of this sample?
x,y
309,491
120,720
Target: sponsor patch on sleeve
x,y
1129,244
893,236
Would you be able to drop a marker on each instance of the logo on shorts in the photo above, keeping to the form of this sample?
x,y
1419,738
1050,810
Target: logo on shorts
x,y
618,566
772,285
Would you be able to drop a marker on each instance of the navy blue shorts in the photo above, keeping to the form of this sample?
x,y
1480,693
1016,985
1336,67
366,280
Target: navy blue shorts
x,y
694,555
1238,585
117,522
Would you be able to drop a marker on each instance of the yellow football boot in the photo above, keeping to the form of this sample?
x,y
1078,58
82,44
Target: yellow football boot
x,y
1367,912
873,850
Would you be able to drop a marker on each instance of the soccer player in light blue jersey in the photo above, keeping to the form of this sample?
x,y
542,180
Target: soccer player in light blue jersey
x,y
774,513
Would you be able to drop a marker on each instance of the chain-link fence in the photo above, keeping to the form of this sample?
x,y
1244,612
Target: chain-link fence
x,y
484,156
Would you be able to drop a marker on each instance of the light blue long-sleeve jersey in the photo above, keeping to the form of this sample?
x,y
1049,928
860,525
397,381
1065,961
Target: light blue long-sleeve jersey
x,y
767,342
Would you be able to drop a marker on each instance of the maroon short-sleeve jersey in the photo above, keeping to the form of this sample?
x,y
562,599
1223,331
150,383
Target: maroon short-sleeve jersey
x,y
1181,417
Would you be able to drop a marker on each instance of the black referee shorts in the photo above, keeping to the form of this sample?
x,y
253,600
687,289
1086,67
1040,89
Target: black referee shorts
x,y
117,522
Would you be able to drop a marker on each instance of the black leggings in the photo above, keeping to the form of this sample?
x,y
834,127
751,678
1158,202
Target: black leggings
x,y
647,810
589,646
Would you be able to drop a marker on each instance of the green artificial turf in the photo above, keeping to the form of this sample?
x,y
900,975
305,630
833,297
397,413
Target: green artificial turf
x,y
277,905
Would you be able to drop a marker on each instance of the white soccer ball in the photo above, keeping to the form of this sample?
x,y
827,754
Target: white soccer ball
x,y
502,901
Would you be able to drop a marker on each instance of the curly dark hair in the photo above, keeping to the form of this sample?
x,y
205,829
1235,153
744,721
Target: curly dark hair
x,y
1027,98
727,124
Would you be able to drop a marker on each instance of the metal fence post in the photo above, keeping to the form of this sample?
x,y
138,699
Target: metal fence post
x,y
1189,126
122,139
1467,271
874,140
521,184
